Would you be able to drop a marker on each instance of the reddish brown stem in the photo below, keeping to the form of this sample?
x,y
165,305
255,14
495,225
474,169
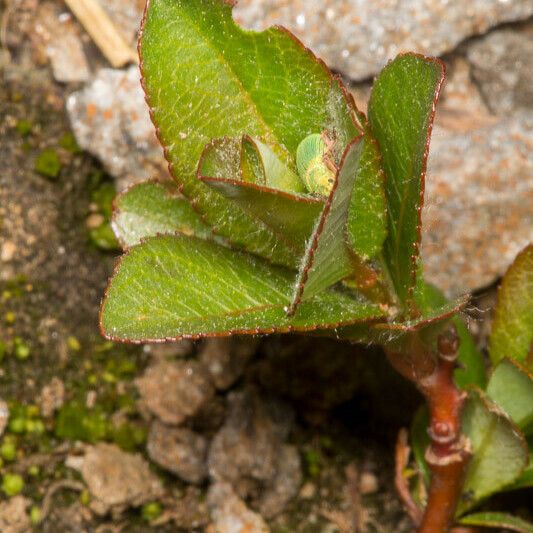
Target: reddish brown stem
x,y
449,451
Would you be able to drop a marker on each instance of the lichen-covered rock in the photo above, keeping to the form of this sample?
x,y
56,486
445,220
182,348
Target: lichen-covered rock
x,y
357,37
173,391
230,514
503,68
110,119
117,480
13,515
178,450
478,212
225,358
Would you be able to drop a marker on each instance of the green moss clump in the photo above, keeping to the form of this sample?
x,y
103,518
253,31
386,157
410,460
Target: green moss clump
x,y
12,484
21,349
312,463
23,127
8,450
73,344
48,163
103,238
68,143
151,511
76,422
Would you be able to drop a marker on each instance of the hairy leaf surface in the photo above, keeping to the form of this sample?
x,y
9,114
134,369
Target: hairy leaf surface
x,y
512,329
172,287
367,215
511,387
500,450
496,521
150,208
291,217
400,112
327,258
205,78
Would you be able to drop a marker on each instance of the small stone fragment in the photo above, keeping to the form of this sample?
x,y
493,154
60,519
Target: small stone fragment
x,y
174,391
230,514
245,451
60,37
8,251
368,483
285,484
52,397
117,480
226,358
66,54
178,450
308,491
190,511
13,515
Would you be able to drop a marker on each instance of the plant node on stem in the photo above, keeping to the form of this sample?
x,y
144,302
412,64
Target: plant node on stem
x,y
449,451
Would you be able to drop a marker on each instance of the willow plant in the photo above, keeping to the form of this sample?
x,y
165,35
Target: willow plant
x,y
292,211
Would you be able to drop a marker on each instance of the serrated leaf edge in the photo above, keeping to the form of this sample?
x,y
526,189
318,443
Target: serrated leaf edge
x,y
224,333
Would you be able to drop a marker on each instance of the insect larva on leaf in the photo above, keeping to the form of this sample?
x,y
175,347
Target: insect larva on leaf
x,y
314,159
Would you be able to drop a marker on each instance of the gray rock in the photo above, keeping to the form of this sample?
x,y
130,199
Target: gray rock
x,y
13,515
225,359
110,119
173,391
178,450
245,452
357,37
478,212
117,480
503,69
285,484
230,514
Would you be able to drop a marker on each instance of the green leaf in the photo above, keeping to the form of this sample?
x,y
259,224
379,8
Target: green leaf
x,y
497,520
471,370
327,258
250,161
367,216
499,450
206,78
152,208
525,480
229,166
433,314
400,112
512,329
290,216
511,387
420,441
277,174
171,287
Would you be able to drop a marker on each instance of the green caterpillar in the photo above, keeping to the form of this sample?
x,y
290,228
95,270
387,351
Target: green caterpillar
x,y
314,160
